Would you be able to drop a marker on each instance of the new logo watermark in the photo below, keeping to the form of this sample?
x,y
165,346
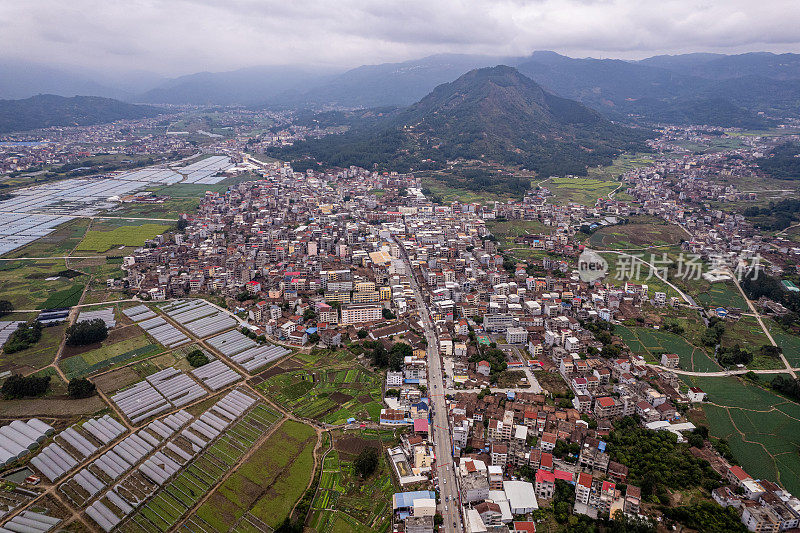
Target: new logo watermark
x,y
591,266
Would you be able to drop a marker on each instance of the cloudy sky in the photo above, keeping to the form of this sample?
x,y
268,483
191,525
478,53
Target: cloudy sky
x,y
182,36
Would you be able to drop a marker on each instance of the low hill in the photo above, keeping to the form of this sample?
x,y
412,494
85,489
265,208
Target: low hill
x,y
492,114
47,110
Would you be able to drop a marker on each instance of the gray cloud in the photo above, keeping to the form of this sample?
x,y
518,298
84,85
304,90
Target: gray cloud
x,y
181,36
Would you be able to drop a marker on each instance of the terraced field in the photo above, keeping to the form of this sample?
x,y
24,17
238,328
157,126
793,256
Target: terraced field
x,y
763,429
651,343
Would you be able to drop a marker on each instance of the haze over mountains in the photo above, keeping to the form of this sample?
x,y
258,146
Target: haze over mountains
x,y
713,89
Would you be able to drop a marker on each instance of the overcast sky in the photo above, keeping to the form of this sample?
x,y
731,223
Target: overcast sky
x,y
182,36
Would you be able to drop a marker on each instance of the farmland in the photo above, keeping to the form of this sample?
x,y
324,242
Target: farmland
x,y
651,343
636,235
57,244
264,488
723,294
26,285
324,386
102,241
790,343
760,426
346,503
37,356
110,354
584,191
190,485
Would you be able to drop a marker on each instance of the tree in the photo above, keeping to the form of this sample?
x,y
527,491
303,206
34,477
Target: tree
x,y
362,334
387,314
5,307
309,314
380,357
87,332
313,338
80,388
197,358
397,355
366,462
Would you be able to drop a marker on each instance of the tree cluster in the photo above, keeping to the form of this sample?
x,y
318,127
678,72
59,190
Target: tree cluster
x,y
197,358
366,463
80,388
733,355
19,386
656,462
87,332
788,386
26,335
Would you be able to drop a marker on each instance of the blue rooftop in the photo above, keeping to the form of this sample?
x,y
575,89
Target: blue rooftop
x,y
405,500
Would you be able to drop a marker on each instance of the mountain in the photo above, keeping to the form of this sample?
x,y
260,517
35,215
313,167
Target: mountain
x,y
388,84
248,86
723,67
47,110
703,111
753,82
22,80
492,114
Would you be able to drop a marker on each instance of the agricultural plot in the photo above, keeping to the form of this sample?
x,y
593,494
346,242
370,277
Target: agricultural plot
x,y
763,429
790,343
265,487
651,343
173,499
330,389
30,284
102,241
122,352
584,191
628,236
57,244
747,333
723,294
37,356
346,503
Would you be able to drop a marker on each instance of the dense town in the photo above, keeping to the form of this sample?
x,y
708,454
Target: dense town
x,y
510,392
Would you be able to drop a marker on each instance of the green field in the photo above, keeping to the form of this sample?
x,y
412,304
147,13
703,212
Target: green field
x,y
102,241
636,235
327,387
268,483
171,208
343,501
763,429
722,294
24,283
651,343
584,191
104,357
790,343
620,165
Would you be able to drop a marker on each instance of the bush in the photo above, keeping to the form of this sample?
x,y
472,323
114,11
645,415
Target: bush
x,y
87,332
18,386
80,388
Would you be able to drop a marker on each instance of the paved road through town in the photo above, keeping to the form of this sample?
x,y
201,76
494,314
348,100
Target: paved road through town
x,y
440,430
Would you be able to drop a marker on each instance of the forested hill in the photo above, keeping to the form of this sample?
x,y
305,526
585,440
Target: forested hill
x,y
47,110
492,114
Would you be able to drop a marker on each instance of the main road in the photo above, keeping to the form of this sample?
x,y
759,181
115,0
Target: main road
x,y
440,430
